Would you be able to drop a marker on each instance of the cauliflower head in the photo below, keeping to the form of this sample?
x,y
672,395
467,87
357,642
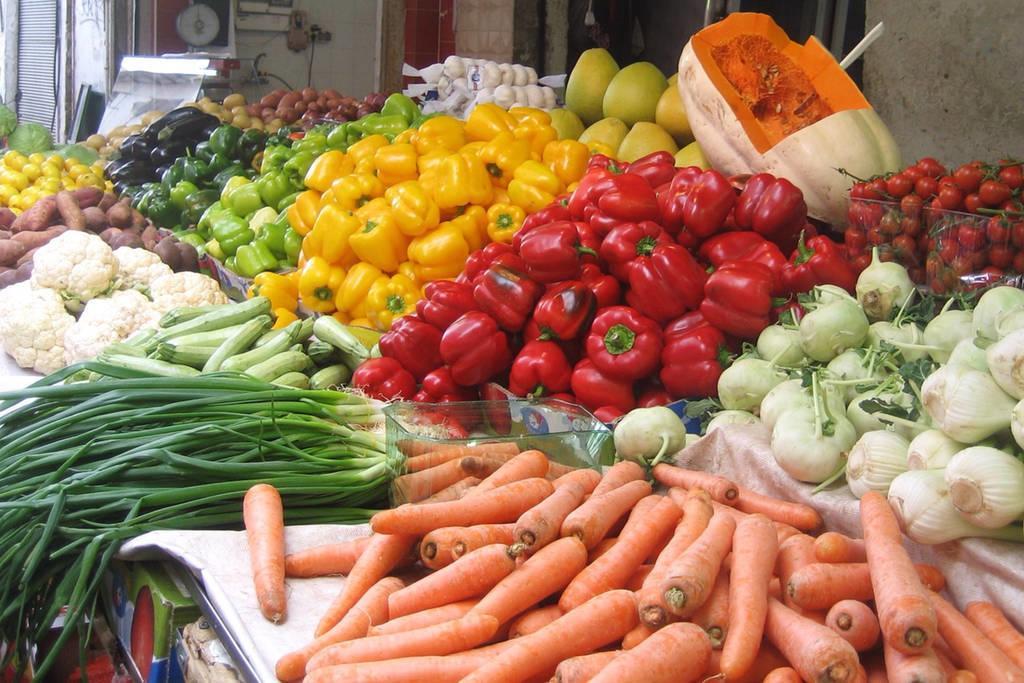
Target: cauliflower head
x,y
32,326
106,321
137,268
78,265
185,289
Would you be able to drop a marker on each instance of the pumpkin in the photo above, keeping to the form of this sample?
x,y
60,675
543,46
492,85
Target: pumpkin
x,y
760,103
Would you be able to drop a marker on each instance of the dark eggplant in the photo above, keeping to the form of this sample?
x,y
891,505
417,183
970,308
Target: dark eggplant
x,y
136,147
134,172
187,127
167,151
153,130
113,167
208,131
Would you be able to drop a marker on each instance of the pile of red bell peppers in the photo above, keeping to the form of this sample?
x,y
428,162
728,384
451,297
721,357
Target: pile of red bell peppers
x,y
628,292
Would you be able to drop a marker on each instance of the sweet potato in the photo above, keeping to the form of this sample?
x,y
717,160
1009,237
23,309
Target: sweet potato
x,y
150,236
15,275
168,252
34,240
107,201
120,214
25,258
87,196
5,234
126,238
6,217
95,219
188,257
39,216
10,252
110,234
139,221
70,212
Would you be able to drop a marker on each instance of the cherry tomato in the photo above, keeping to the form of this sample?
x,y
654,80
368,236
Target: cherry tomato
x,y
948,250
1000,256
1018,262
855,239
890,223
911,205
931,167
997,229
858,190
993,192
904,244
910,226
950,197
913,172
979,260
972,202
875,236
926,187
886,255
899,185
861,261
970,237
968,177
878,188
1012,176
962,265
938,287
1017,234
925,243
1012,205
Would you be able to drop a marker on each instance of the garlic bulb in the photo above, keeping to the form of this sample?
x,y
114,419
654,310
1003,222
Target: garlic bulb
x,y
931,450
986,486
535,96
875,460
454,66
1006,363
520,75
507,76
966,404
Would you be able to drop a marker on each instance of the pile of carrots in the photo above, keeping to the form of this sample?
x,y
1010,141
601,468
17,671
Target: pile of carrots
x,y
532,573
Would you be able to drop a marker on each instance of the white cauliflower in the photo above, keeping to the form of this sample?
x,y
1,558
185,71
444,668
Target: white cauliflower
x,y
106,321
137,268
78,265
32,326
185,289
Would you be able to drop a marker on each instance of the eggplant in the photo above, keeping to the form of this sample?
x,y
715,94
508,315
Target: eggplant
x,y
136,147
134,172
188,127
167,151
153,129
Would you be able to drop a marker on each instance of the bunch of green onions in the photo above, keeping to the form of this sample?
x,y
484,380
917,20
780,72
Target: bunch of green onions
x,y
85,466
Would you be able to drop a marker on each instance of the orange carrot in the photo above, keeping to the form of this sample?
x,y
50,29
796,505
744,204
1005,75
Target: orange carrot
x,y
874,666
416,486
962,676
755,546
545,573
533,620
503,504
977,653
693,573
619,474
635,581
768,658
813,650
784,531
587,478
723,509
440,639
678,653
603,620
942,652
439,453
855,622
263,514
325,560
542,523
904,612
794,553
601,548
820,585
584,667
639,634
783,674
383,553
443,669
453,492
523,466
835,547
472,575
371,609
923,667
991,621
719,488
443,546
697,512
427,617
557,469
713,615
803,517
592,520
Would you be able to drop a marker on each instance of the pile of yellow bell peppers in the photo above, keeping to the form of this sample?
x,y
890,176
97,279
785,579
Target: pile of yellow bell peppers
x,y
382,219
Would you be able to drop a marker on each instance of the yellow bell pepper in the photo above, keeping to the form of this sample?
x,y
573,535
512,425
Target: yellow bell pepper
x,y
601,148
327,168
503,221
472,223
414,211
407,269
503,155
487,121
440,132
379,241
302,214
352,191
462,180
283,318
431,161
500,196
534,186
280,289
342,318
396,163
391,298
329,236
567,158
535,132
352,294
532,115
361,322
366,148
319,284
405,137
439,254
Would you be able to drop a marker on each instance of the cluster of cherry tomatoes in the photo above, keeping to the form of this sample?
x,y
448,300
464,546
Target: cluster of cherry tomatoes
x,y
950,229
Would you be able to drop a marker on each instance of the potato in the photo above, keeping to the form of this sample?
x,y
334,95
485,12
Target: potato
x,y
108,200
135,128
37,217
95,141
117,132
25,258
34,240
70,212
234,100
120,214
6,217
256,123
86,197
139,222
10,252
241,120
150,116
106,150
95,219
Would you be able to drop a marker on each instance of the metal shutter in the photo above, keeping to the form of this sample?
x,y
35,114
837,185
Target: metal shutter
x,y
37,47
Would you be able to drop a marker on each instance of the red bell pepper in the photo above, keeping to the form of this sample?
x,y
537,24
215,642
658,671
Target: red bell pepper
x,y
413,343
653,395
628,198
746,245
692,361
439,387
670,197
624,244
738,298
562,396
707,204
564,310
384,378
606,288
587,192
539,369
684,323
819,261
444,301
475,349
496,410
601,161
773,207
623,343
657,168
553,252
608,414
594,389
482,259
667,283
507,296
556,211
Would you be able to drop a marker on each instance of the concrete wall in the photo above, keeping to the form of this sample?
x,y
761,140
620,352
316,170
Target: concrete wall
x,y
946,77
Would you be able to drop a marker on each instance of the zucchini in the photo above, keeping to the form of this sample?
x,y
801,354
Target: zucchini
x,y
237,342
141,338
186,313
293,380
213,338
330,377
224,317
328,329
293,329
321,352
193,356
149,365
243,361
279,364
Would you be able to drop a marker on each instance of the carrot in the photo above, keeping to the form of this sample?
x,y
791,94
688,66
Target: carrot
x,y
440,639
713,615
557,469
768,658
416,486
542,523
835,547
943,653
371,609
443,546
784,532
592,520
794,553
472,575
813,650
820,585
678,653
439,453
587,478
523,466
962,676
545,573
584,667
977,653
638,577
619,474
600,621
993,623
803,517
601,548
874,666
453,492
855,622
442,668
697,512
904,613
923,667
263,514
324,560
783,674
723,509
533,620
427,617
720,488
639,634
693,573
383,553
503,504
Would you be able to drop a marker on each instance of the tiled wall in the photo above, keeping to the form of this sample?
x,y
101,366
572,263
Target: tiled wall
x,y
435,29
429,31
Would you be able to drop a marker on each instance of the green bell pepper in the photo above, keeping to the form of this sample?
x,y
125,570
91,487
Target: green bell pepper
x,y
287,201
218,162
314,142
253,259
196,171
195,205
163,212
203,151
401,105
212,248
274,158
273,187
338,137
231,232
193,238
222,178
251,142
243,199
272,234
212,213
292,245
299,164
379,124
225,140
181,192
